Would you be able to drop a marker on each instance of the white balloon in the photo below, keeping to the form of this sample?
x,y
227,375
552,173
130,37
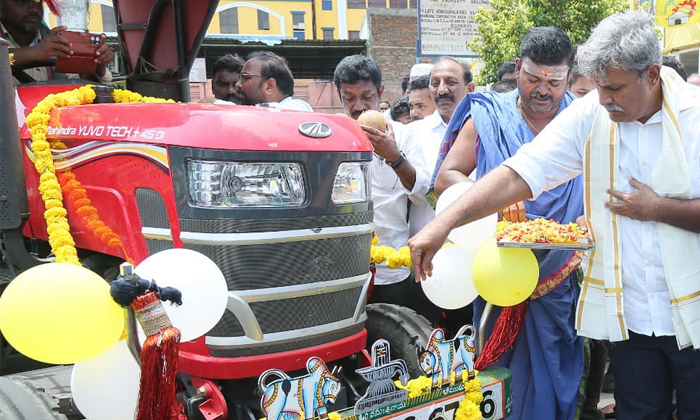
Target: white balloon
x,y
451,285
471,235
203,286
106,387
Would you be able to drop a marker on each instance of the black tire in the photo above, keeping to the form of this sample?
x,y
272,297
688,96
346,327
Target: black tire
x,y
405,330
37,395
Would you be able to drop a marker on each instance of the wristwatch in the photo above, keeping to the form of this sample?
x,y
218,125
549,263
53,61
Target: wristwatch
x,y
398,162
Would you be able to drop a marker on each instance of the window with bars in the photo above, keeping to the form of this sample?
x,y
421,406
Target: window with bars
x,y
398,4
327,5
228,21
353,34
380,4
298,20
109,22
263,21
357,4
412,4
328,33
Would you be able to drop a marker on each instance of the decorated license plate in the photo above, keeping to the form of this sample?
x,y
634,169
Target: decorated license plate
x,y
542,234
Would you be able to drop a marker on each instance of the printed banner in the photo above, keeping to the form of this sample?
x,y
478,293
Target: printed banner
x,y
445,26
675,13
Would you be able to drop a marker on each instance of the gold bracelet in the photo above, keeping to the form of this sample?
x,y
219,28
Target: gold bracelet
x,y
12,59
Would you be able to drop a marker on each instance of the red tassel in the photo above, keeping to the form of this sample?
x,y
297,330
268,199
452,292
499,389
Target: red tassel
x,y
159,362
55,7
504,333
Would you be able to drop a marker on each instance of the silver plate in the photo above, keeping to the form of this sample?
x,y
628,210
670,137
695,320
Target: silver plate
x,y
584,246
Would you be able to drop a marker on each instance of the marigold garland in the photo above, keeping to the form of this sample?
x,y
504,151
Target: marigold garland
x,y
58,229
394,258
469,405
12,59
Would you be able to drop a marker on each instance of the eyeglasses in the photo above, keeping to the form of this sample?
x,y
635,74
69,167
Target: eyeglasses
x,y
245,76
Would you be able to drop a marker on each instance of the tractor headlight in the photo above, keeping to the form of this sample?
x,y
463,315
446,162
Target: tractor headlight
x,y
351,183
244,184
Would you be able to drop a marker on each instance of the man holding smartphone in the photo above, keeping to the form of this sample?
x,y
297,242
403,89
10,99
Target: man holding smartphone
x,y
32,42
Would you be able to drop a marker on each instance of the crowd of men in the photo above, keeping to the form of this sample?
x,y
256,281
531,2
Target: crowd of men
x,y
623,160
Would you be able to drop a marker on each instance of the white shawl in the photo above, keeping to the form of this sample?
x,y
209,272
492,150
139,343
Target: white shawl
x,y
600,313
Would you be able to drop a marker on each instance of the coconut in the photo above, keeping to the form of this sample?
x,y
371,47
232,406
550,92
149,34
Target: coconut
x,y
374,119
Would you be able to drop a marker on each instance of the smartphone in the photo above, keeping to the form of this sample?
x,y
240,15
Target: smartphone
x,y
84,45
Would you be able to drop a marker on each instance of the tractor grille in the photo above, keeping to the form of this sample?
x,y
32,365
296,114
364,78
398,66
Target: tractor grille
x,y
271,225
152,209
292,314
297,344
157,245
307,311
249,267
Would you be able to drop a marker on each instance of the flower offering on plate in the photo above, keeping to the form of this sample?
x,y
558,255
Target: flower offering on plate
x,y
542,234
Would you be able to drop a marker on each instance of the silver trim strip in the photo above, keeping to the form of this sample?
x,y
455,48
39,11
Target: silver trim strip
x,y
363,297
157,233
257,238
300,290
243,312
282,337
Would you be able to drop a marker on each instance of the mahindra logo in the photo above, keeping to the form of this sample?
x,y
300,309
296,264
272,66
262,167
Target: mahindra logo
x,y
315,130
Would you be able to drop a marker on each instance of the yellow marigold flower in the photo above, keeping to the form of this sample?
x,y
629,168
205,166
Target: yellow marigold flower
x,y
40,146
52,194
49,182
333,416
476,397
45,177
55,212
52,203
473,385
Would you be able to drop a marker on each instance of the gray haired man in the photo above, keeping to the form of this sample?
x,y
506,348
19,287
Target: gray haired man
x,y
637,145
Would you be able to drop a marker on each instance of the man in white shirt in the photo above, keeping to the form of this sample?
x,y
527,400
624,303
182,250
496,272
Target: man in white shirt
x,y
449,82
395,172
637,144
267,81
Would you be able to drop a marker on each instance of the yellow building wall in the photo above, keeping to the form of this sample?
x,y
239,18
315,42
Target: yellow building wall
x,y
95,18
248,18
355,19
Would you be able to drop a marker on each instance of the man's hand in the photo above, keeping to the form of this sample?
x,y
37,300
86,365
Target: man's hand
x,y
581,222
515,212
642,204
103,56
383,143
423,247
53,45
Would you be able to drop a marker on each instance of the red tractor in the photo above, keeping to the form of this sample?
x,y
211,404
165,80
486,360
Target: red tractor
x,y
279,200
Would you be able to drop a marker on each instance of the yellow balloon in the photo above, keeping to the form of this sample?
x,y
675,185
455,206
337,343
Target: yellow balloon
x,y
504,276
60,313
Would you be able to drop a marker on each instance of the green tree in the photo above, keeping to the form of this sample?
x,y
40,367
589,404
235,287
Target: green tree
x,y
502,27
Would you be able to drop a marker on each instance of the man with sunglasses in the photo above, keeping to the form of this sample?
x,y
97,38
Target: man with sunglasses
x,y
32,42
267,81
